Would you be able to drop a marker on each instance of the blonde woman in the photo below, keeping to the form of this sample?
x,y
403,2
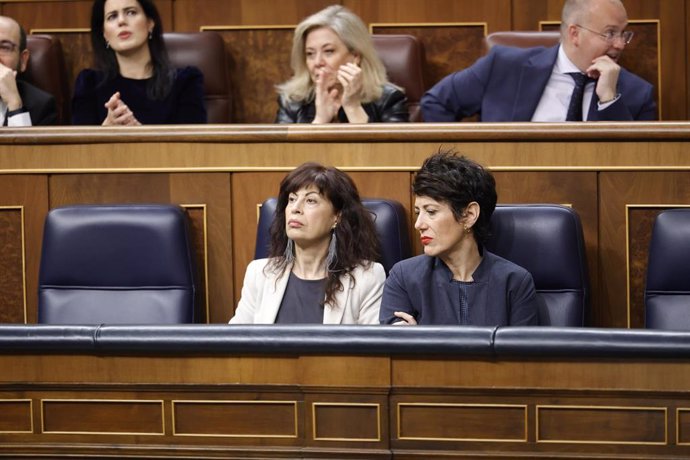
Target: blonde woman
x,y
338,77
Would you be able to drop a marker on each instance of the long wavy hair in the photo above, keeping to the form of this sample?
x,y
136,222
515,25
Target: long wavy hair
x,y
354,34
357,243
457,181
161,81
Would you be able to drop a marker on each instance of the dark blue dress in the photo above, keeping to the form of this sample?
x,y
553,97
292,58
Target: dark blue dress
x,y
184,104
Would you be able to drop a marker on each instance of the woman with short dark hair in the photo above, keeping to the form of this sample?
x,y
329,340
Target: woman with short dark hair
x,y
320,268
456,280
134,82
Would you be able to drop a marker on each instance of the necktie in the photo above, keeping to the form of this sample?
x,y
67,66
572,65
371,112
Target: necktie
x,y
575,107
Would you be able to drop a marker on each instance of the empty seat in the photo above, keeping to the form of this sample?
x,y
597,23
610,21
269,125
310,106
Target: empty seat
x,y
667,294
46,70
206,51
116,264
402,56
389,219
546,240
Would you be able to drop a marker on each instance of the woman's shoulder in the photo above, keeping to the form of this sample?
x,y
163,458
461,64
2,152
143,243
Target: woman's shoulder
x,y
499,264
369,268
414,266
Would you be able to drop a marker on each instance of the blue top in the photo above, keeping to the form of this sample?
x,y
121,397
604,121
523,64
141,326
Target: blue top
x,y
502,294
184,103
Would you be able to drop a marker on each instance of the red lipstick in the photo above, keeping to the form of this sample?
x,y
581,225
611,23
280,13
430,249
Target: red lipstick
x,y
426,240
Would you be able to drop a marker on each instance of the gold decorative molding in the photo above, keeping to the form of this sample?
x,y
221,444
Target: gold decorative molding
x,y
343,404
461,405
663,410
31,415
105,401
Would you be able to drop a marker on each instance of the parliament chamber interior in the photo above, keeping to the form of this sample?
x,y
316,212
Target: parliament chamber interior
x,y
614,386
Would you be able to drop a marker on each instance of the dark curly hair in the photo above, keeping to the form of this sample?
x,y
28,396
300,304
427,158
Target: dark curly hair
x,y
458,181
357,243
163,76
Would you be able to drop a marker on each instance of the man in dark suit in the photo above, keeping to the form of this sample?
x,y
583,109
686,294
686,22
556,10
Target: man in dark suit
x,y
538,84
21,104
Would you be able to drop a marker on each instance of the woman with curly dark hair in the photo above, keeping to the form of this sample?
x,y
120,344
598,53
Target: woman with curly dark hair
x,y
320,269
456,280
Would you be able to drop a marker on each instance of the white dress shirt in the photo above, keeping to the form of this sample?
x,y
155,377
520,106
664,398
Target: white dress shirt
x,y
554,102
20,119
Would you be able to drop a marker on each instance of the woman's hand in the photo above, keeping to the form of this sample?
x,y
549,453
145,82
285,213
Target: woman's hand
x,y
327,99
350,77
119,113
405,319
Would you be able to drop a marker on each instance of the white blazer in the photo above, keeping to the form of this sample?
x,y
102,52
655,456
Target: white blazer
x,y
262,294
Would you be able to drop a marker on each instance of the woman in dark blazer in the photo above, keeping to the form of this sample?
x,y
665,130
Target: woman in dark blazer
x,y
456,280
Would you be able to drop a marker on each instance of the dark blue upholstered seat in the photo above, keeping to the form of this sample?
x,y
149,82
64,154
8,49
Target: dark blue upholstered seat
x,y
116,264
667,294
389,218
546,240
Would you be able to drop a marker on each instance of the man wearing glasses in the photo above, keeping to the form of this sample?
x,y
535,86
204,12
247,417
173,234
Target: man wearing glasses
x,y
21,104
579,79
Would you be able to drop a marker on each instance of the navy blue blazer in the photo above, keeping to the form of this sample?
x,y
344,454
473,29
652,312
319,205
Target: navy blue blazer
x,y
503,294
507,84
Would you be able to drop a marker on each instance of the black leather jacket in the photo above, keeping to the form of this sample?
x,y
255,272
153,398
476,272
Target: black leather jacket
x,y
391,107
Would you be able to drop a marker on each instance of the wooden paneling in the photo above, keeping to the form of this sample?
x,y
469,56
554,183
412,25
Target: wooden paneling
x,y
256,419
462,422
604,425
619,194
16,416
23,205
259,60
124,417
255,406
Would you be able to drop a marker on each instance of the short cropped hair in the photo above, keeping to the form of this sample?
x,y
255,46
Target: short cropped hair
x,y
354,34
458,181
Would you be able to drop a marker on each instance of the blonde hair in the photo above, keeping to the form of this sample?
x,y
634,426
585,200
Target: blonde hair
x,y
354,34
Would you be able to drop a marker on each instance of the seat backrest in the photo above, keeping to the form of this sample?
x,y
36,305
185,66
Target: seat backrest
x,y
46,70
116,264
521,39
547,241
389,218
402,56
667,294
205,50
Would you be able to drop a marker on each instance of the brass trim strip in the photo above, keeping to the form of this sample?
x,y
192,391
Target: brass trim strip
x,y
213,401
414,438
678,411
31,415
240,27
538,407
59,30
345,404
105,401
391,25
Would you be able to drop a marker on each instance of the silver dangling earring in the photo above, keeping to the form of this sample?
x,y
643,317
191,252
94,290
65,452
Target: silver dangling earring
x,y
289,251
332,256
150,34
107,45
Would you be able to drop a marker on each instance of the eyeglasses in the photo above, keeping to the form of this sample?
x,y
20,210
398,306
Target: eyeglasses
x,y
7,47
610,36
